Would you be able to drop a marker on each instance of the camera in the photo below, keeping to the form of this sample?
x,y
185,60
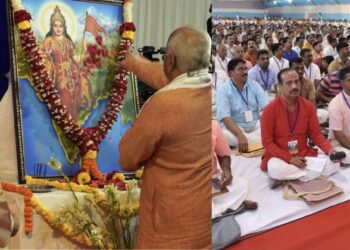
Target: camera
x,y
145,91
150,51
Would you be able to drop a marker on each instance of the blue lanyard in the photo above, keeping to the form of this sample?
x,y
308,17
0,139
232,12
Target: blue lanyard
x,y
345,99
278,64
308,76
267,79
245,101
291,129
221,63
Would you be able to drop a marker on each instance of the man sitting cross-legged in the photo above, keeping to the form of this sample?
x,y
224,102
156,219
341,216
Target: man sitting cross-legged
x,y
286,125
221,169
239,102
339,116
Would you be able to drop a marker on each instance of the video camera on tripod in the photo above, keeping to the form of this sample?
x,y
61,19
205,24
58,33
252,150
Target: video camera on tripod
x,y
144,91
150,51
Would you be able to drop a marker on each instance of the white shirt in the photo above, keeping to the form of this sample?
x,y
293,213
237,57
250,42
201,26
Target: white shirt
x,y
277,65
218,79
330,51
230,51
297,49
221,64
312,72
325,42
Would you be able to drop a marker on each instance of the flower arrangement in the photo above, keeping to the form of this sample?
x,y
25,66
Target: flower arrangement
x,y
106,220
87,139
28,209
60,185
64,228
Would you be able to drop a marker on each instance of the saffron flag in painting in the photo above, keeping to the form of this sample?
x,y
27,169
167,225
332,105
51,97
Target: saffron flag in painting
x,y
93,27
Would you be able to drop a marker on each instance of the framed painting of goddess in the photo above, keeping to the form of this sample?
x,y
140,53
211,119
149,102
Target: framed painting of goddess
x,y
70,101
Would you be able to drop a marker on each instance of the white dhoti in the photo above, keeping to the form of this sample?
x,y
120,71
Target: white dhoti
x,y
253,136
281,170
322,115
238,192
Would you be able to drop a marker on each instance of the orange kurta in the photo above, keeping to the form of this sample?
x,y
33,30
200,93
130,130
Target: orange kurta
x,y
171,138
251,57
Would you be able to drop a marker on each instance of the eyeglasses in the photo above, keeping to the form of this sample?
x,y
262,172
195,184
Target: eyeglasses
x,y
242,69
298,67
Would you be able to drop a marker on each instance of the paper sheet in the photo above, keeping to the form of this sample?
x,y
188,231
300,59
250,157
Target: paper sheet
x,y
316,164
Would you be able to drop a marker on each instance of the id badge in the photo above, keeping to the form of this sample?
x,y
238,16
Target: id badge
x,y
248,116
293,147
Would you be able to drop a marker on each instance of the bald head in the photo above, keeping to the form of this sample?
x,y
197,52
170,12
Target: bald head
x,y
239,52
222,51
190,49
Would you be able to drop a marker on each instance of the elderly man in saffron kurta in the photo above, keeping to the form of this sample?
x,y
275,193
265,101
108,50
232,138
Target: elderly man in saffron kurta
x,y
171,138
286,125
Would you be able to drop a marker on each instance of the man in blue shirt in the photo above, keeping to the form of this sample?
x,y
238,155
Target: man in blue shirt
x,y
239,102
289,53
261,72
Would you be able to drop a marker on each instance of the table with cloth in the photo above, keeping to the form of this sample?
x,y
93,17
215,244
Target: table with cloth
x,y
43,235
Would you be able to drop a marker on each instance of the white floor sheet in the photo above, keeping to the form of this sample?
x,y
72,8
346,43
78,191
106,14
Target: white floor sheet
x,y
273,210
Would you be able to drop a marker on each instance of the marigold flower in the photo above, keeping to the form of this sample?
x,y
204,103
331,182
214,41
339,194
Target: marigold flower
x,y
138,173
118,176
91,154
24,25
128,35
83,178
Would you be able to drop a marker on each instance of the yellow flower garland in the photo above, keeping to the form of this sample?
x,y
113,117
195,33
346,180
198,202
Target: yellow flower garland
x,y
24,25
64,228
129,35
91,154
60,185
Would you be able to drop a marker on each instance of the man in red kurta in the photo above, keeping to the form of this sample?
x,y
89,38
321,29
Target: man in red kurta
x,y
286,125
250,55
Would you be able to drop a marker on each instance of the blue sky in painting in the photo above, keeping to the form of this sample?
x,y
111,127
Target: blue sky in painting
x,y
108,15
79,7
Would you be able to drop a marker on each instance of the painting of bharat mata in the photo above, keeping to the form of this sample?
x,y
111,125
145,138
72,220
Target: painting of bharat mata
x,y
78,43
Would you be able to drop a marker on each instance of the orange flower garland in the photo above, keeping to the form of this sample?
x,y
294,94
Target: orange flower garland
x,y
87,139
90,166
28,208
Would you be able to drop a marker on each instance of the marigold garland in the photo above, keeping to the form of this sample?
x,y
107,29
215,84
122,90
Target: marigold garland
x,y
64,228
126,207
87,139
60,185
28,209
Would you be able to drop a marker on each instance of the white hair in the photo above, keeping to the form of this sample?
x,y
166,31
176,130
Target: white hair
x,y
191,48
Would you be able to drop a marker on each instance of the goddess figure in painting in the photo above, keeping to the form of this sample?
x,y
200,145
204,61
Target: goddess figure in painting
x,y
74,87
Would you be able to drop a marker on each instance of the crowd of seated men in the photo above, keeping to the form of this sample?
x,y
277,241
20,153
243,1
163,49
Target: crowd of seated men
x,y
271,80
